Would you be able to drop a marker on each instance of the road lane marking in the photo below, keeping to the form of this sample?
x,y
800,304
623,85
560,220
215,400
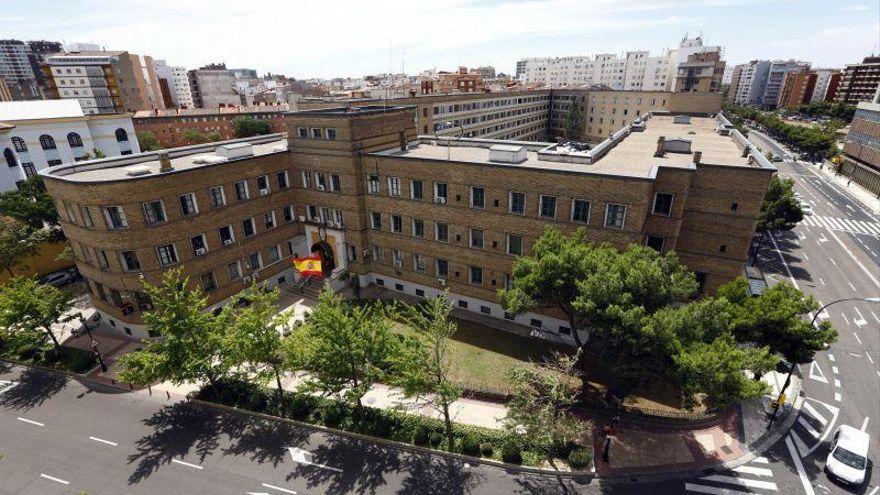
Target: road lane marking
x,y
801,445
816,373
806,258
869,357
29,421
834,370
766,485
875,316
805,481
837,397
851,255
101,440
713,490
753,470
865,424
52,478
196,466
835,411
851,286
832,261
845,318
784,264
285,490
860,321
305,457
761,460
822,281
874,491
807,426
815,414
857,338
831,357
837,383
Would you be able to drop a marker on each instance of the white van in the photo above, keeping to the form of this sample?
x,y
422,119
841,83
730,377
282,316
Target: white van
x,y
848,458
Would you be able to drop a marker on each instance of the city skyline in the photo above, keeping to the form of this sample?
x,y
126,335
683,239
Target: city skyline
x,y
393,37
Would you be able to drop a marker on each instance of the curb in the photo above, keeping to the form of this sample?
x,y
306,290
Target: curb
x,y
473,461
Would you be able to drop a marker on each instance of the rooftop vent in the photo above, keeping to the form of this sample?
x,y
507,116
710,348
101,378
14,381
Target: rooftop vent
x,y
165,162
677,145
203,159
681,119
507,153
235,150
136,170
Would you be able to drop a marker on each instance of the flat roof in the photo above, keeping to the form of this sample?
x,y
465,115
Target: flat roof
x,y
351,110
182,159
39,109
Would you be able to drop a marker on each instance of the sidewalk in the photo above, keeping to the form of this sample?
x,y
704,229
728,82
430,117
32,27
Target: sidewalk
x,y
862,195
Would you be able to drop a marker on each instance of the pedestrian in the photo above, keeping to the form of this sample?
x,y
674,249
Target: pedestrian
x,y
848,181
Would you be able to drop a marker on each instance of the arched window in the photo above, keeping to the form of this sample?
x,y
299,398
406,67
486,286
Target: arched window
x,y
47,142
10,157
121,135
74,140
19,144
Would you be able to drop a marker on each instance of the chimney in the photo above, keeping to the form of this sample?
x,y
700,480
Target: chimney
x,y
165,162
661,141
401,136
698,155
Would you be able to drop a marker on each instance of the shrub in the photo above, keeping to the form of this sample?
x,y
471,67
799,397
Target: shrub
x,y
470,443
487,449
331,415
511,453
436,439
421,435
579,458
298,408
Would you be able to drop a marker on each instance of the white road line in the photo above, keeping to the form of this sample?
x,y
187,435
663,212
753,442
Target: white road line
x,y
753,470
851,286
845,318
875,316
784,264
801,445
832,261
837,397
805,481
865,424
814,413
834,370
186,464
713,490
806,258
101,440
52,478
761,460
831,357
857,338
807,426
874,491
766,485
285,490
853,257
29,421
822,281
837,383
867,355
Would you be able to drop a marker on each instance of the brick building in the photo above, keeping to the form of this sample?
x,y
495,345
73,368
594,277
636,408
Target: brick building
x,y
797,88
169,126
861,151
859,82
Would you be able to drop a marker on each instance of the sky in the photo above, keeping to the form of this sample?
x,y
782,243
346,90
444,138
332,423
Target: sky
x,y
340,38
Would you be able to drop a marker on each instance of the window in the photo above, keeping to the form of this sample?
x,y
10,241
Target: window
x,y
352,252
478,197
256,261
477,238
19,144
476,275
723,248
415,190
281,177
509,316
10,158
514,244
536,323
614,216
269,220
580,211
121,135
662,204
442,268
548,207
86,213
233,270
418,228
188,204
248,227
199,244
320,181
47,142
302,133
307,179
517,203
331,133
372,184
241,190
316,133
396,223
115,218
167,255
288,213
226,235
209,284
486,310
655,242
397,257
335,183
462,304
378,253
218,198
419,264
394,186
274,253
74,140
103,262
263,185
376,220
441,193
734,206
337,217
441,232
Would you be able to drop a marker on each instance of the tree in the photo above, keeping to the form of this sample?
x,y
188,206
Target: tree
x,y
574,121
780,209
541,403
247,126
148,141
17,241
424,370
192,136
194,344
347,348
31,308
30,204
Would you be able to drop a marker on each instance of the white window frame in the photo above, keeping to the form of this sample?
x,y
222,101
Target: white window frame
x,y
510,203
147,216
437,268
195,204
541,206
424,263
173,250
231,235
373,223
278,251
521,242
471,238
247,193
306,179
204,243
237,264
608,209
378,253
320,181
264,191
471,275
372,185
259,261
332,184
394,186
472,197
437,192
270,215
397,258
253,224
337,218
654,204
589,210
414,220
123,263
412,189
222,196
107,218
437,232
399,230
283,173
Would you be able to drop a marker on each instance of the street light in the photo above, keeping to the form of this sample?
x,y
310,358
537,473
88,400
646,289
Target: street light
x,y
812,323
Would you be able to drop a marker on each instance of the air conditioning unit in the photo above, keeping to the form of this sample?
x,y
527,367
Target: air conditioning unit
x,y
200,251
441,281
264,192
440,200
227,242
319,187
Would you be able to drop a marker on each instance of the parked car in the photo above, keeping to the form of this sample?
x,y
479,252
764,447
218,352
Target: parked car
x,y
59,279
848,459
806,208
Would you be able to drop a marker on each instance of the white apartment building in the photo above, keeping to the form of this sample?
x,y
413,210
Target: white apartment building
x,y
775,76
823,78
181,87
751,83
44,133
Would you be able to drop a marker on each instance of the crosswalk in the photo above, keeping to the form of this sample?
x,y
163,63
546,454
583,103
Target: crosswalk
x,y
752,478
813,424
842,224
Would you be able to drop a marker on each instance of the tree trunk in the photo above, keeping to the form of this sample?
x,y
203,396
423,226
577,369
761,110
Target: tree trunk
x,y
278,381
9,271
574,332
52,336
447,421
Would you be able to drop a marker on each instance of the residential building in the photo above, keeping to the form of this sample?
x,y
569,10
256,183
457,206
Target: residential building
x,y
861,151
413,214
165,75
859,82
797,88
827,82
735,76
38,134
5,94
169,126
777,72
105,81
701,72
751,82
40,50
213,86
16,70
486,72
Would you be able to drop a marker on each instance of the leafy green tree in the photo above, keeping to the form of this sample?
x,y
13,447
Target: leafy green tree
x,y
540,407
17,242
424,369
347,348
194,344
247,126
192,136
31,308
780,209
30,204
148,141
574,121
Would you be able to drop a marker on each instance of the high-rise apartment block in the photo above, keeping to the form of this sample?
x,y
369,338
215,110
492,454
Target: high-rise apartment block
x,y
700,73
747,86
213,86
797,88
859,82
861,151
775,76
827,82
16,70
413,214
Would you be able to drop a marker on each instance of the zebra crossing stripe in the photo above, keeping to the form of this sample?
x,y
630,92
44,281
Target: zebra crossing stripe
x,y
872,227
713,490
807,426
814,413
843,224
850,225
761,460
801,446
757,471
835,223
767,485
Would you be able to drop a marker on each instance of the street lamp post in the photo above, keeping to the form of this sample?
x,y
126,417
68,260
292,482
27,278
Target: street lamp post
x,y
794,365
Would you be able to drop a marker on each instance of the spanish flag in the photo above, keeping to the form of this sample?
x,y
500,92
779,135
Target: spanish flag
x,y
310,266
